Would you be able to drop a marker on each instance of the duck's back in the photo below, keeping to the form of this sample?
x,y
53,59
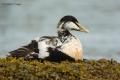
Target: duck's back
x,y
46,42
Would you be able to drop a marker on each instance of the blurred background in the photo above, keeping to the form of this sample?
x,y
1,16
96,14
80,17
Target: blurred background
x,y
23,20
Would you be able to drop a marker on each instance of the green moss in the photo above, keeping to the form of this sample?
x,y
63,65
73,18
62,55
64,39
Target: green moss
x,y
19,69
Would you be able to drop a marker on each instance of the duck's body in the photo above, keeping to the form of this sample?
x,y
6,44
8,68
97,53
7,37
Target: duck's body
x,y
68,45
61,47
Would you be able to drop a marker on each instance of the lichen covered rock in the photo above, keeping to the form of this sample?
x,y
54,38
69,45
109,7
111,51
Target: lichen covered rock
x,y
19,69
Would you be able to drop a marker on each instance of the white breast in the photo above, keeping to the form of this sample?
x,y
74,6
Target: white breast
x,y
73,48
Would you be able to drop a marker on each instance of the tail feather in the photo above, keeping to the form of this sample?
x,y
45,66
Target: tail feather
x,y
25,50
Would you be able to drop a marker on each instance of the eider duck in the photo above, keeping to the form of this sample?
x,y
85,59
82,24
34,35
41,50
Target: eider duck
x,y
56,48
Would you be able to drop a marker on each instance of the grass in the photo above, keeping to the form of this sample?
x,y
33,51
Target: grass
x,y
19,69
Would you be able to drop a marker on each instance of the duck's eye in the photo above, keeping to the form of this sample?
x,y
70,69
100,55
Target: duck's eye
x,y
73,29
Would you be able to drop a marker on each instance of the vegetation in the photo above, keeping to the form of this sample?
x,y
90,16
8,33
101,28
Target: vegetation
x,y
19,69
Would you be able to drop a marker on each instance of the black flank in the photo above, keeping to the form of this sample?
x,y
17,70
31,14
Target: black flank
x,y
57,56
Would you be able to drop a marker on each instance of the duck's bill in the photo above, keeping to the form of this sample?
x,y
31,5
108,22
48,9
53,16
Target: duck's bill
x,y
82,29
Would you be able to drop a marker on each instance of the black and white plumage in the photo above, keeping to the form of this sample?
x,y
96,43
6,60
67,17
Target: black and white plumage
x,y
56,48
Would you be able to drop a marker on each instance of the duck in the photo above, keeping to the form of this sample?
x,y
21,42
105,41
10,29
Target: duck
x,y
64,46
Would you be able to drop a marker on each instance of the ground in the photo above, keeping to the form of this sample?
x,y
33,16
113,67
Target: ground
x,y
19,69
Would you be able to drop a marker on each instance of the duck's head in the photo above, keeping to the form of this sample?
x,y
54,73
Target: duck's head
x,y
70,23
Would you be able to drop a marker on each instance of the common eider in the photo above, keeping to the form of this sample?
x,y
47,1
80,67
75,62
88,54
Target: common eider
x,y
55,48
